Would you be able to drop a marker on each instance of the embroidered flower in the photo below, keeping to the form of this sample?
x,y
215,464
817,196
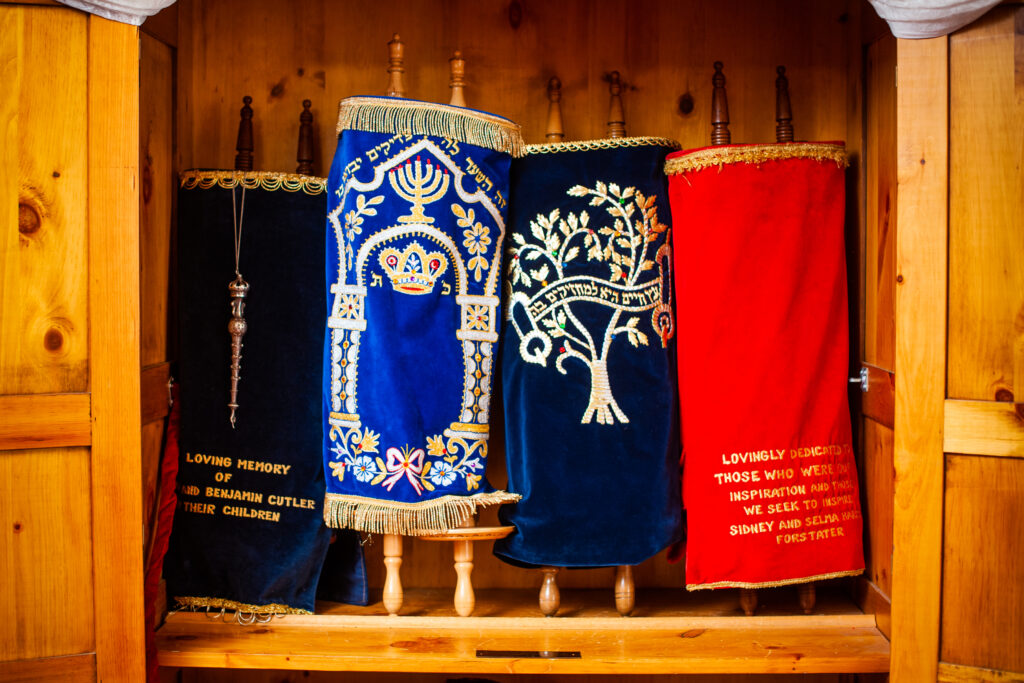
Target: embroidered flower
x,y
477,317
435,445
338,470
364,468
442,473
369,442
349,305
476,240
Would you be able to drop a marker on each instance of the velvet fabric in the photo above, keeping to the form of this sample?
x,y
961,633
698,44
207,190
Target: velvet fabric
x,y
588,357
415,225
769,478
248,530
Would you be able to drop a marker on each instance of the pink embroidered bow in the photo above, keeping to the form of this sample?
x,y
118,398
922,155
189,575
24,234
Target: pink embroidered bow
x,y
408,464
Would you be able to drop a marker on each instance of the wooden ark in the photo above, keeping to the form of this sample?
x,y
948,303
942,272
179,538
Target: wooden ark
x,y
98,118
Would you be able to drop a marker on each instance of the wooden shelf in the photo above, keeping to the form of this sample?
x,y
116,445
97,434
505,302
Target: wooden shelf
x,y
671,632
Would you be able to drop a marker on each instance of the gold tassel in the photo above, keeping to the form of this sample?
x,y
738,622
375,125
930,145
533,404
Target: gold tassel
x,y
219,603
756,154
772,584
409,117
252,180
408,519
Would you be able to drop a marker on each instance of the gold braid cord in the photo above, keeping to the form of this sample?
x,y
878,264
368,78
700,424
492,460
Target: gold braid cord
x,y
604,143
252,180
342,511
755,154
219,603
772,584
409,117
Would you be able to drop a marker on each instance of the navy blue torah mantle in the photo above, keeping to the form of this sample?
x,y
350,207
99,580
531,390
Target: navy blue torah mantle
x,y
248,531
588,356
416,226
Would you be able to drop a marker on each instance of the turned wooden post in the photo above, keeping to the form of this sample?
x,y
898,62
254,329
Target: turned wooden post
x,y
554,127
465,599
807,596
616,117
625,589
457,81
748,601
305,153
244,145
550,598
783,113
719,109
396,60
393,595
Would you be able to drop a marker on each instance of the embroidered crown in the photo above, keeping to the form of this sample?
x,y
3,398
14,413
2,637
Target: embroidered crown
x,y
412,270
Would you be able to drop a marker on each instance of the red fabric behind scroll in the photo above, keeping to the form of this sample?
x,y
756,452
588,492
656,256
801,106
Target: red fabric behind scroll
x,y
769,478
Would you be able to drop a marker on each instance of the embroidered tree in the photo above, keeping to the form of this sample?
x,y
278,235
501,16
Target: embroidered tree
x,y
628,247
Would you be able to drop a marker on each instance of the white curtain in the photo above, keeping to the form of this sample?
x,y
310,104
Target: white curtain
x,y
126,11
929,18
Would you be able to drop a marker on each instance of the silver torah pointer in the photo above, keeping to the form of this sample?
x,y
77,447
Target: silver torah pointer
x,y
239,290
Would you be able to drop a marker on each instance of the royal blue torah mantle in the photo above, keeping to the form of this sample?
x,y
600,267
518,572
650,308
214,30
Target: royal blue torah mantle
x,y
248,531
416,225
588,356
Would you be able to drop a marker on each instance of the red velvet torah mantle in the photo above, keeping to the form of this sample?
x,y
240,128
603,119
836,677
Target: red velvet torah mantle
x,y
769,478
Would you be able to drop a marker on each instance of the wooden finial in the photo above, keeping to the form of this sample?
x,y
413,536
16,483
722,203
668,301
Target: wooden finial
x,y
625,589
550,597
305,153
394,596
748,601
396,59
719,109
457,82
783,113
244,145
616,118
554,127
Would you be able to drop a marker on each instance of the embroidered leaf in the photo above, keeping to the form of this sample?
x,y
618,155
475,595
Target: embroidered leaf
x,y
647,264
650,201
368,212
642,337
614,189
595,252
338,470
573,222
628,192
360,202
451,459
549,323
375,200
616,257
588,240
518,239
597,201
426,483
531,254
536,228
616,272
552,217
608,231
553,242
623,242
584,219
378,479
563,228
435,445
426,468
458,211
577,191
369,442
627,261
629,209
380,465
472,481
601,188
632,322
561,317
571,254
525,278
540,273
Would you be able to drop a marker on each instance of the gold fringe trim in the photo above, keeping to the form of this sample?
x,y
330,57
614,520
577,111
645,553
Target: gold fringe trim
x,y
603,143
756,154
410,117
435,516
219,603
773,584
251,180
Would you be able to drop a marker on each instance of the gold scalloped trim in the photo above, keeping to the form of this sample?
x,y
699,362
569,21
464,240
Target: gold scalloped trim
x,y
435,516
603,143
220,603
773,584
251,180
756,154
411,117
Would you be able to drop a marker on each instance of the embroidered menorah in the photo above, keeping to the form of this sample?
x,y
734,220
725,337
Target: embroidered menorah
x,y
419,186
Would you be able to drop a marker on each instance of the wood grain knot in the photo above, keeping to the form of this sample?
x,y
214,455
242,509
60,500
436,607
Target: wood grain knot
x,y
899,278
428,644
693,633
147,180
17,527
1004,395
686,104
278,89
53,340
29,220
515,14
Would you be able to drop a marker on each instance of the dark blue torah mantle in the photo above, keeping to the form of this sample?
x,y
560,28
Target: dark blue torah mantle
x,y
588,356
416,226
248,531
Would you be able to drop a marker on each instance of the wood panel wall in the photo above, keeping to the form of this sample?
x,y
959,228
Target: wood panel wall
x,y
70,537
983,576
